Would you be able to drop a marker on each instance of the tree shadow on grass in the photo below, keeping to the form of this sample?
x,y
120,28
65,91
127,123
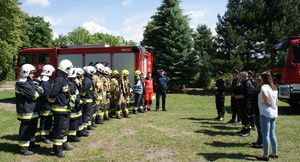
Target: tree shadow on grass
x,y
198,119
14,148
221,127
287,110
215,133
13,137
216,156
226,144
11,100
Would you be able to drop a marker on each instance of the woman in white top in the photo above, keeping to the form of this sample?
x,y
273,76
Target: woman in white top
x,y
267,102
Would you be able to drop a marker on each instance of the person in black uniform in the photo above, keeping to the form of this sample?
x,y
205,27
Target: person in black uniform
x,y
27,111
161,89
252,116
59,97
220,95
255,111
74,105
245,109
88,97
233,101
44,106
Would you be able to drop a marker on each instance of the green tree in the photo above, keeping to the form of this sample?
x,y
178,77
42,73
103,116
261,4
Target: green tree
x,y
204,48
169,33
80,36
249,29
11,19
38,32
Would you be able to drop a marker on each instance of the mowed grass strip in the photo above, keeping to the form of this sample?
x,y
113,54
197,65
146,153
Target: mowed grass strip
x,y
186,132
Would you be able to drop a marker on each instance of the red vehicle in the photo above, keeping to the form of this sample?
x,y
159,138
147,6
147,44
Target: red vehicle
x,y
117,58
286,70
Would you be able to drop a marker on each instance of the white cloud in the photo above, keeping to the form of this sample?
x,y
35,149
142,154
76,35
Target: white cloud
x,y
93,27
197,17
133,28
53,21
127,3
42,3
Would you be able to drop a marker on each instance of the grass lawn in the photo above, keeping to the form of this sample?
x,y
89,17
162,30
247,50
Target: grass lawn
x,y
186,132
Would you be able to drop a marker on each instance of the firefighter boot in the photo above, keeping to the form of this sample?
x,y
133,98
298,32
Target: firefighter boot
x,y
126,113
58,151
66,146
99,118
106,115
25,151
118,115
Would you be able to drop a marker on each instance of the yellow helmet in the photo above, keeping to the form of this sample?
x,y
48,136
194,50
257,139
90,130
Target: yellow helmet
x,y
125,72
115,72
137,72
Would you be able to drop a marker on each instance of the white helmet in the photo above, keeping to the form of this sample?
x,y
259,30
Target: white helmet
x,y
65,65
47,70
72,73
107,70
90,70
79,72
26,69
99,67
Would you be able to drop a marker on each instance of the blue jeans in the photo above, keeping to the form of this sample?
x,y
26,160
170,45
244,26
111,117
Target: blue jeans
x,y
259,134
268,133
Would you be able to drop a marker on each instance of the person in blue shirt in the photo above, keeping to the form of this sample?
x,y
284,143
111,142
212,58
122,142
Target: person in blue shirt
x,y
161,89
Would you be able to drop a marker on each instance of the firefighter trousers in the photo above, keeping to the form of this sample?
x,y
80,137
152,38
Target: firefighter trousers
x,y
60,131
73,127
45,126
27,133
87,114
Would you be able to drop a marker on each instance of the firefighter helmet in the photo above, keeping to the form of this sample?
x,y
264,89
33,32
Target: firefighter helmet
x,y
72,73
125,72
79,72
65,66
137,72
26,69
90,70
99,67
107,70
47,70
115,72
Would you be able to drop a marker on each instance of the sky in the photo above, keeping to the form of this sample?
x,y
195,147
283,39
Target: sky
x,y
126,18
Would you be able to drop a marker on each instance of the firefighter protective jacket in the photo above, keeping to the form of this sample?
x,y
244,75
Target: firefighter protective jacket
x,y
74,103
44,105
87,90
26,96
59,95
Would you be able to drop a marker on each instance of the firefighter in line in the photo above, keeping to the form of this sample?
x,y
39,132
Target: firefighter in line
x,y
27,110
81,132
149,90
99,89
220,95
126,91
88,97
138,89
106,91
74,105
247,90
116,95
59,96
234,104
46,116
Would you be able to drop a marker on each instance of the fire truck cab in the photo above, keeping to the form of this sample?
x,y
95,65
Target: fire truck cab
x,y
286,70
117,58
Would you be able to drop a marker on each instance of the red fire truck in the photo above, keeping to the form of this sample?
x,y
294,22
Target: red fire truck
x,y
286,70
117,58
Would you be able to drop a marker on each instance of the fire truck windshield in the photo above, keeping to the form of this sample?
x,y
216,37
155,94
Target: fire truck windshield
x,y
280,57
26,59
